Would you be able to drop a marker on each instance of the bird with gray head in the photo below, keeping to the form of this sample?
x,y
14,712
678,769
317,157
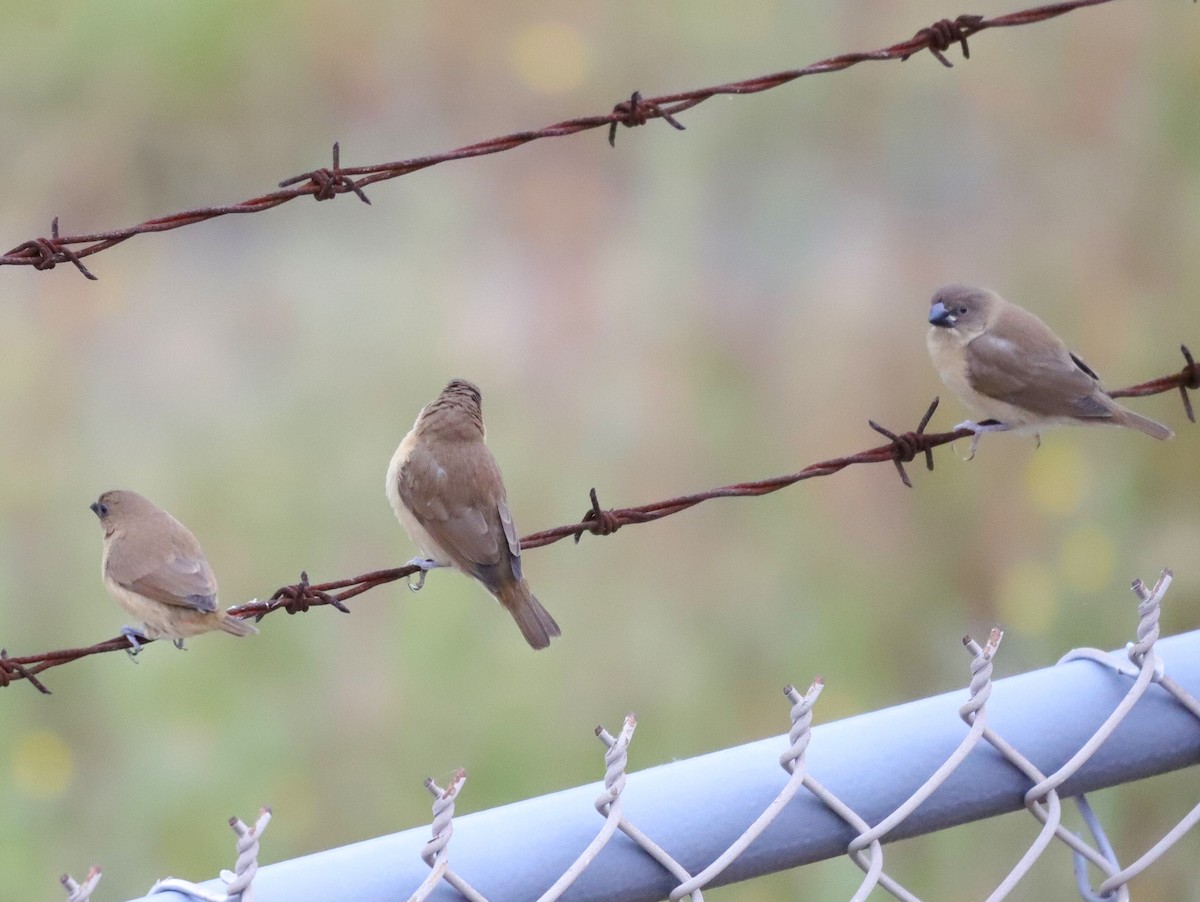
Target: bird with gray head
x,y
446,490
1007,366
155,569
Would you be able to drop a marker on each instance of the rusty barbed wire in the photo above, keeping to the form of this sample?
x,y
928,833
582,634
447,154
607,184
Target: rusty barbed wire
x,y
299,597
327,183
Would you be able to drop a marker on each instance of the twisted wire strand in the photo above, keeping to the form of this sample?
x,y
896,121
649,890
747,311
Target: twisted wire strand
x,y
304,595
326,183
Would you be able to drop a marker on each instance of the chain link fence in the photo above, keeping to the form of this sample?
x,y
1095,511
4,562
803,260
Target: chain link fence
x,y
1096,719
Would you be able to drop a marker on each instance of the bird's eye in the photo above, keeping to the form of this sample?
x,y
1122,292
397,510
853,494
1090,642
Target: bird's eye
x,y
962,311
103,510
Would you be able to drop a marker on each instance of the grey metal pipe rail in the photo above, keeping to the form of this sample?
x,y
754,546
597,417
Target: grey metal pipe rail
x,y
696,808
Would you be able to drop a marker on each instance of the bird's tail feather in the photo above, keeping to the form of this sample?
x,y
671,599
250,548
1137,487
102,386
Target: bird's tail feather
x,y
534,621
1123,416
237,627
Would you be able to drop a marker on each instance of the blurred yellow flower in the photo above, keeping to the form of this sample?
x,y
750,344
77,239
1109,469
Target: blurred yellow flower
x,y
1027,598
1057,478
1087,559
550,57
41,765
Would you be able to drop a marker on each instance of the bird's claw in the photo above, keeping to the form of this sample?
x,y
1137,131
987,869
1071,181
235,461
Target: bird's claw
x,y
178,643
977,431
426,564
132,634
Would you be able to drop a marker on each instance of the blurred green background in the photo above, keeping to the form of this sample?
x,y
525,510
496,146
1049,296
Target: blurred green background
x,y
689,309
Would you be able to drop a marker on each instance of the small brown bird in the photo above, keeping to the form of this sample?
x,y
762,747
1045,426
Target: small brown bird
x,y
155,569
446,490
1006,365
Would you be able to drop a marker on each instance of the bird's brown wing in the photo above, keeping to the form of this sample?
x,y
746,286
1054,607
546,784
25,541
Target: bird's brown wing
x,y
1040,376
176,574
510,536
459,500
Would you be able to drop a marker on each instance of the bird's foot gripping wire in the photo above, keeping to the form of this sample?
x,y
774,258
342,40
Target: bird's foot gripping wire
x,y
978,429
135,637
426,564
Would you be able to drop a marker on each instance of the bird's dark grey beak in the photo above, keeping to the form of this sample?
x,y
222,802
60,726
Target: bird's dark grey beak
x,y
95,506
940,316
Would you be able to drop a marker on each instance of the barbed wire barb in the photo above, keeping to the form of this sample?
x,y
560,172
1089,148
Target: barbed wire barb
x,y
329,183
636,111
909,444
941,34
1186,379
325,184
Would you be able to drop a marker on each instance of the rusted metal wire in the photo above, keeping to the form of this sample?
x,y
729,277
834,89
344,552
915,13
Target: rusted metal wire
x,y
1187,378
300,596
327,183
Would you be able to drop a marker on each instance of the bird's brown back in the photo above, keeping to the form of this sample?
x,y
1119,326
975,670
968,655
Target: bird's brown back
x,y
452,484
153,554
1020,361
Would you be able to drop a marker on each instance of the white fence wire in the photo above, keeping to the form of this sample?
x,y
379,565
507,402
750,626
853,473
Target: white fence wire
x,y
1043,746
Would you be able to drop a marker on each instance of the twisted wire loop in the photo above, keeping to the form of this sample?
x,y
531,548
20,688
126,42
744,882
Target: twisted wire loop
x,y
1144,667
239,882
793,761
436,853
80,892
597,521
869,839
303,595
981,688
297,598
637,111
608,803
615,760
938,37
47,253
10,670
1048,808
325,183
1149,669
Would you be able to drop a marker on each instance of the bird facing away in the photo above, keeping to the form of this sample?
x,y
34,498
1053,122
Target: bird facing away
x,y
1007,366
155,569
446,490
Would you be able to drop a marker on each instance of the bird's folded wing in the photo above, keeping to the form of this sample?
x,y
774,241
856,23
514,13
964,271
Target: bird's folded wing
x,y
460,514
176,578
1038,377
510,536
